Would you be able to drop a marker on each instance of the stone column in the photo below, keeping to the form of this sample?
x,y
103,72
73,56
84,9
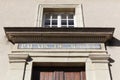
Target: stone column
x,y
17,63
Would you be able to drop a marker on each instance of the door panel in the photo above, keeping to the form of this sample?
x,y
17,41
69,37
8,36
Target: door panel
x,y
83,75
46,75
61,75
77,76
56,73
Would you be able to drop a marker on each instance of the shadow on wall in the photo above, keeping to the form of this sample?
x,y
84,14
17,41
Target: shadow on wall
x,y
110,65
29,59
113,42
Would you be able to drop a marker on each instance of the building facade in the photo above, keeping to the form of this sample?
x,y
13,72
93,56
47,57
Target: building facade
x,y
59,40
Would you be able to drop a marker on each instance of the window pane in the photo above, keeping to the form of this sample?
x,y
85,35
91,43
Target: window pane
x,y
70,22
63,16
47,22
54,22
63,22
70,16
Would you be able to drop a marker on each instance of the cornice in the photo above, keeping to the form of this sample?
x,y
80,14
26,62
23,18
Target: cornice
x,y
39,34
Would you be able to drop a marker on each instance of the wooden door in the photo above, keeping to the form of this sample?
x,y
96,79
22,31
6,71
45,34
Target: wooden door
x,y
58,73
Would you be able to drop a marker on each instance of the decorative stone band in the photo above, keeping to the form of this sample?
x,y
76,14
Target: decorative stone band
x,y
59,46
17,58
99,58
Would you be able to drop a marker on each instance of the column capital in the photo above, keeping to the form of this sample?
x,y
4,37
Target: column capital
x,y
99,58
17,58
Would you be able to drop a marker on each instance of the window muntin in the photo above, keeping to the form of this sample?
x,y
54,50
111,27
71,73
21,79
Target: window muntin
x,y
50,20
67,20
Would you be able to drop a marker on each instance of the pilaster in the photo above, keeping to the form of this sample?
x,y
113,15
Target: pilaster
x,y
97,67
17,63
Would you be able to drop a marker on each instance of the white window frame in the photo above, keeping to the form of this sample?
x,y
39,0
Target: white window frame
x,y
78,13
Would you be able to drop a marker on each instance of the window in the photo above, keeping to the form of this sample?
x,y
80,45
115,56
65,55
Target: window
x,y
76,20
59,17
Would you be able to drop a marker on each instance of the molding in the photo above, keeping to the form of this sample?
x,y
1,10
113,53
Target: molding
x,y
99,58
58,51
17,58
71,35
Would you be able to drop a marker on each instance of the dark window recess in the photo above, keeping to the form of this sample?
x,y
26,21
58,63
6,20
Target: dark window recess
x,y
47,22
64,22
54,22
70,22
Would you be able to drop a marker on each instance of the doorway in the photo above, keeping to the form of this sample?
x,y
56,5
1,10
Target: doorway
x,y
58,73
